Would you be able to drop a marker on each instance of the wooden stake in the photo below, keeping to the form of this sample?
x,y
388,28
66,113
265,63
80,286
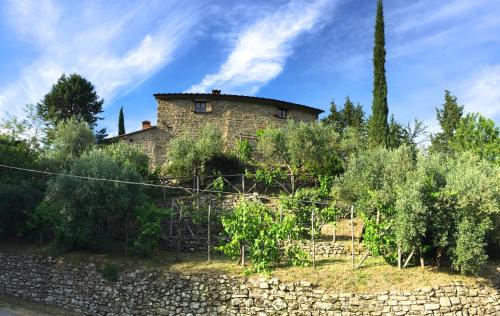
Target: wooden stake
x,y
352,234
242,255
363,259
208,234
408,259
243,183
313,233
399,257
179,236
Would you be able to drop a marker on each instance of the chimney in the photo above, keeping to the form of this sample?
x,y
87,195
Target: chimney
x,y
146,124
215,92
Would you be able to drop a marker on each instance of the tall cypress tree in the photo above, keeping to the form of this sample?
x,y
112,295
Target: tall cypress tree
x,y
121,123
378,127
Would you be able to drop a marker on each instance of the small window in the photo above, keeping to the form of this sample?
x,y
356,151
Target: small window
x,y
281,113
200,106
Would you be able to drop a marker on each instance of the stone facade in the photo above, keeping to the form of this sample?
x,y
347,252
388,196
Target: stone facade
x,y
235,116
153,140
82,288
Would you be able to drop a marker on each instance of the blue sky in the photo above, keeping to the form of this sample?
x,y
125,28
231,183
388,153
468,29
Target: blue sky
x,y
303,51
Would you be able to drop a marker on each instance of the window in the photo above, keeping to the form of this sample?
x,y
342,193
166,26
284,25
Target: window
x,y
200,106
281,113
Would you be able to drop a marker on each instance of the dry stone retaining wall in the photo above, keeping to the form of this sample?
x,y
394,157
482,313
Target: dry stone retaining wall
x,y
82,288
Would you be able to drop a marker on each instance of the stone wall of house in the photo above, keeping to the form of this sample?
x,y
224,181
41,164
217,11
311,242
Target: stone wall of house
x,y
82,288
232,117
153,140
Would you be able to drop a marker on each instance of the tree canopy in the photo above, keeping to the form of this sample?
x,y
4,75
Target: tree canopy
x,y
71,96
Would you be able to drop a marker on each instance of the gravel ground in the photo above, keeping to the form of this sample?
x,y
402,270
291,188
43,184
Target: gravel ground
x,y
13,306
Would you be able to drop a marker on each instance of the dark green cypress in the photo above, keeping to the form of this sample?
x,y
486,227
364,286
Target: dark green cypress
x,y
121,123
378,127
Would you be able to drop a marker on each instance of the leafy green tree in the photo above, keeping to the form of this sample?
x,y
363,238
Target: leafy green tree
x,y
370,182
92,214
20,192
189,156
449,119
378,127
121,123
479,135
28,129
350,116
301,147
395,135
131,156
71,96
334,118
473,187
71,139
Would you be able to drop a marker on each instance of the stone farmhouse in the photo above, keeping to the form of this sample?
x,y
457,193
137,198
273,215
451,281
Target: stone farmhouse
x,y
236,116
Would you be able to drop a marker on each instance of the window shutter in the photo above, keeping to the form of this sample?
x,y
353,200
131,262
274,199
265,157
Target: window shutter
x,y
209,107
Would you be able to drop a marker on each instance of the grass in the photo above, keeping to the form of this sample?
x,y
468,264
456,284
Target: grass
x,y
333,274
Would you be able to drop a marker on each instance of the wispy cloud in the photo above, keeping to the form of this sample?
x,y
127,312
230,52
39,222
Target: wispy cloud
x,y
481,93
261,49
116,47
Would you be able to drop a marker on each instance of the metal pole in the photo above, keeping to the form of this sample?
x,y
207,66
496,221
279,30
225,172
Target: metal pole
x,y
208,235
352,234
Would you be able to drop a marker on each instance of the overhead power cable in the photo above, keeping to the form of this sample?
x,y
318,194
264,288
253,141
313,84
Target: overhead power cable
x,y
188,190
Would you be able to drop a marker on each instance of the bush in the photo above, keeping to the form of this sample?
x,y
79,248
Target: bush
x,y
253,225
150,219
20,191
92,213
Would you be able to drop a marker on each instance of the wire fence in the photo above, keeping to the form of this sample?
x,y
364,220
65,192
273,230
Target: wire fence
x,y
186,202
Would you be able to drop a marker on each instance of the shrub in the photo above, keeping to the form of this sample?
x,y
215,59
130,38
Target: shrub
x,y
150,219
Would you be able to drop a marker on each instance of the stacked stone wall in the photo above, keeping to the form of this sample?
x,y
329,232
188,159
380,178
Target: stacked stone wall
x,y
82,288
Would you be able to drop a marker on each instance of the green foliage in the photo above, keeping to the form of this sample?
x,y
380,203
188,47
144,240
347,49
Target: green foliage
x,y
244,149
131,156
71,96
19,191
303,203
307,147
469,254
28,129
92,213
253,225
203,155
377,125
479,135
350,116
449,119
150,219
71,139
121,122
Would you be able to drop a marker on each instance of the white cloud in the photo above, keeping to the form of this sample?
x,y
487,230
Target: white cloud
x,y
261,49
481,93
116,47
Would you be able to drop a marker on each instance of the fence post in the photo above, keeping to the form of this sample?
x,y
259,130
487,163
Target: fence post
x,y
243,183
208,234
313,239
352,235
197,184
172,219
179,235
